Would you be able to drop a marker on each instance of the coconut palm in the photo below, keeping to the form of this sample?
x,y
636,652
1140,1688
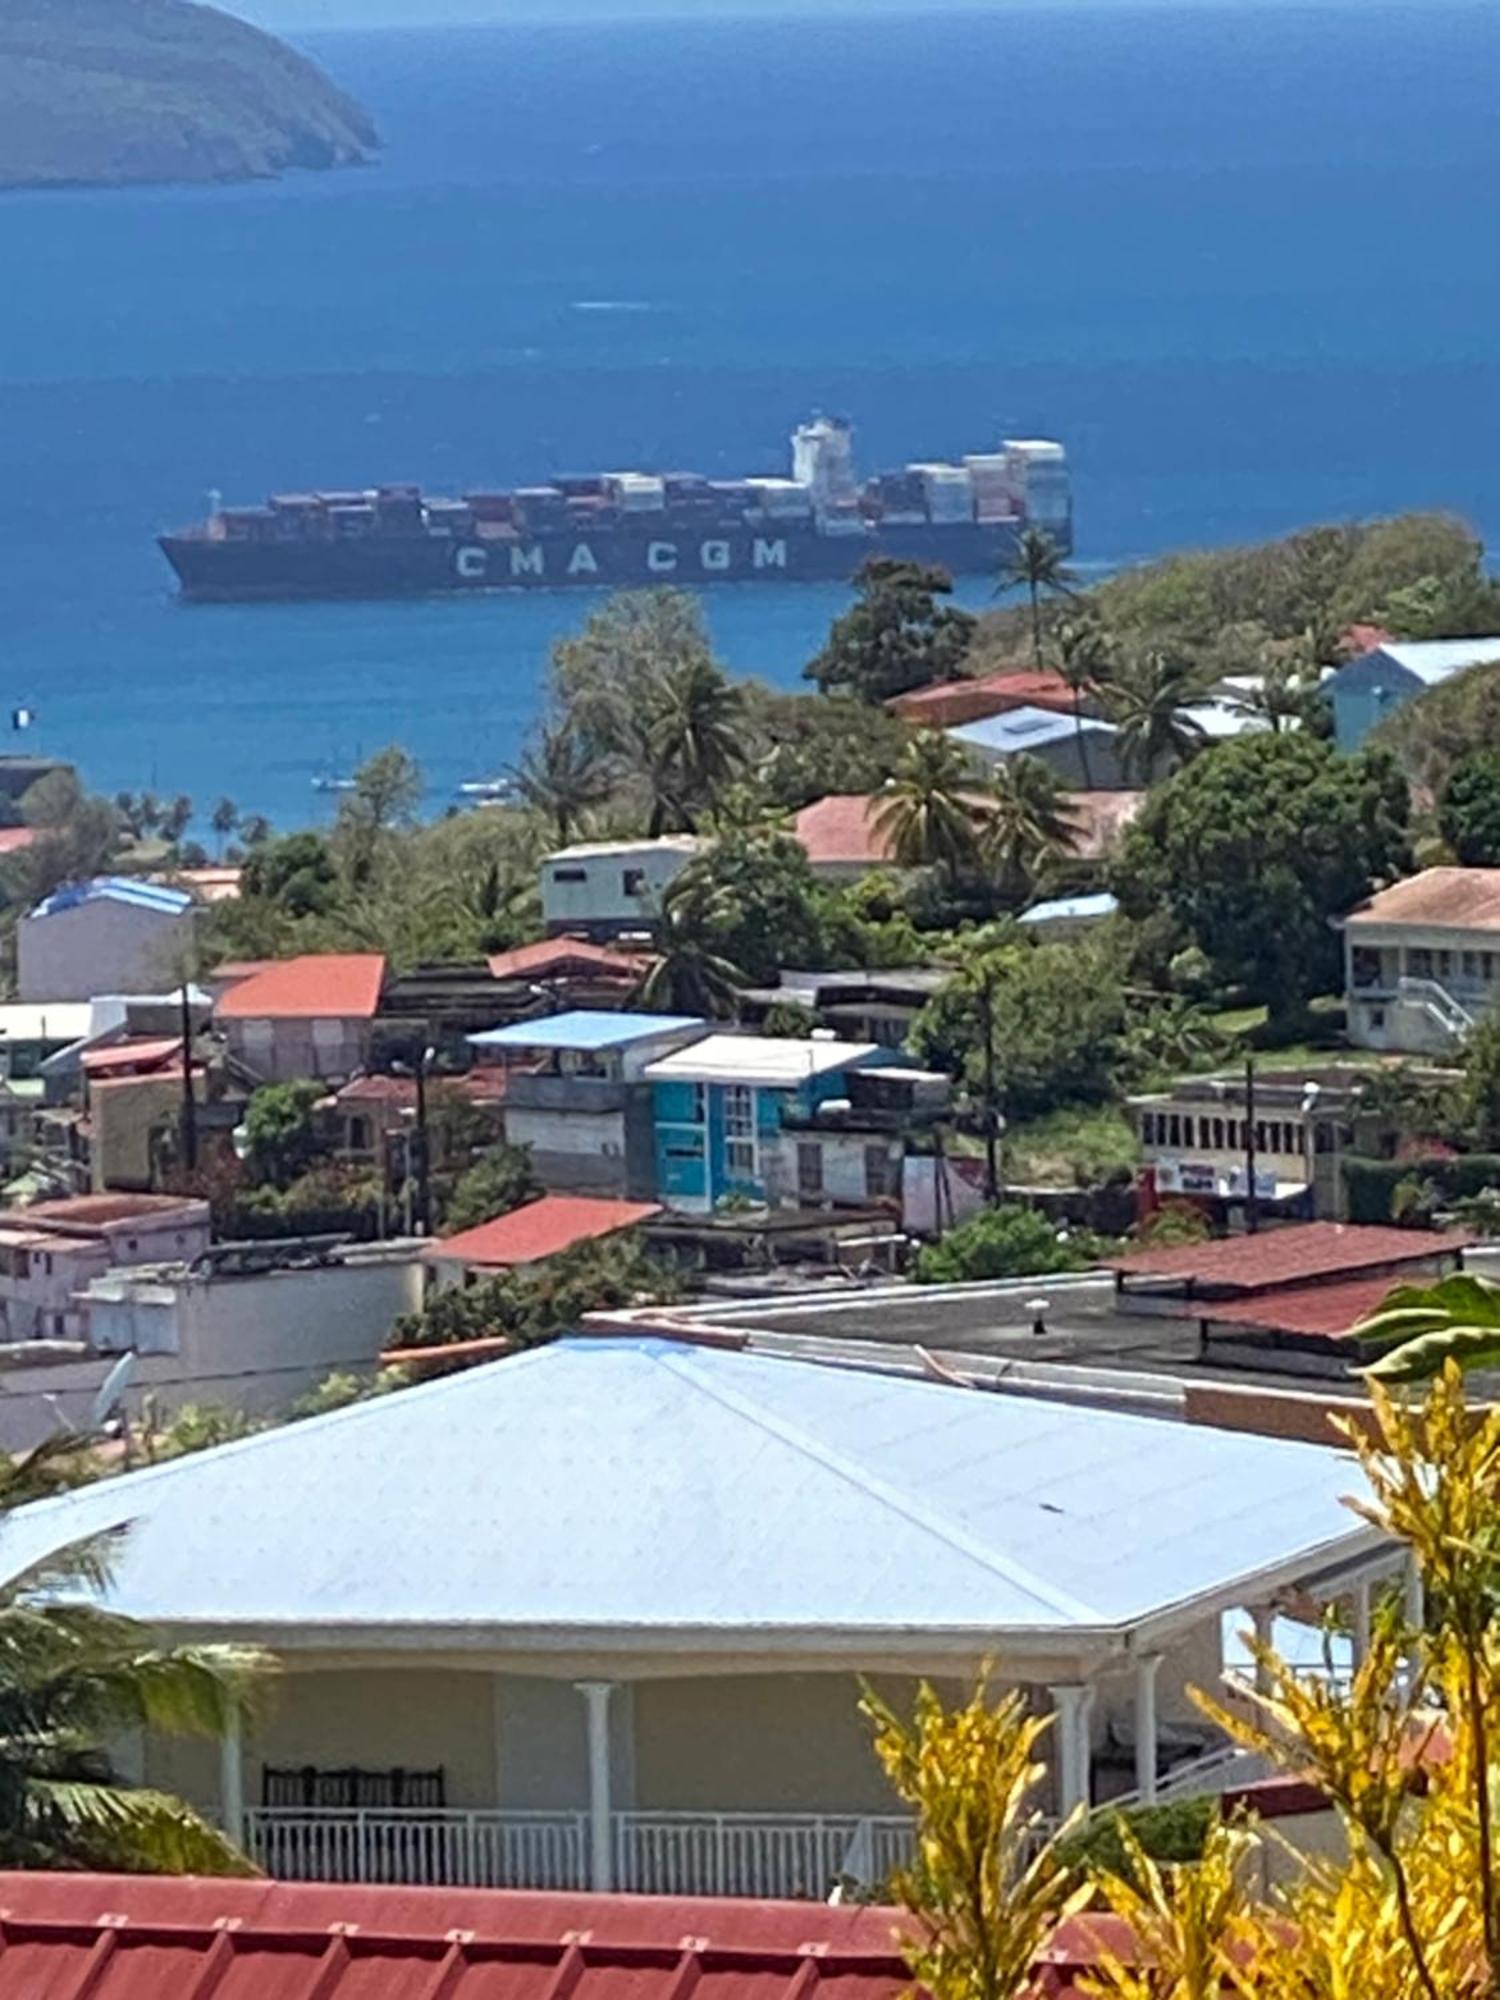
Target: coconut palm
x,y
1083,662
1026,824
561,778
1147,703
687,976
692,742
224,819
1035,565
73,1676
926,815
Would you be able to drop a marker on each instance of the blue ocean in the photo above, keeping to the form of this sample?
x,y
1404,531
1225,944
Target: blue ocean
x,y
1240,260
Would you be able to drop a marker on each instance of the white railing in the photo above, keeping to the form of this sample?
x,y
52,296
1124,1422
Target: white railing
x,y
670,1853
1435,999
463,1849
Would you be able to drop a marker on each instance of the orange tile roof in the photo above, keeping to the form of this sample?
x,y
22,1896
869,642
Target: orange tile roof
x,y
948,703
1461,899
16,839
1301,1251
1309,1312
327,986
839,830
541,1229
561,954
120,1058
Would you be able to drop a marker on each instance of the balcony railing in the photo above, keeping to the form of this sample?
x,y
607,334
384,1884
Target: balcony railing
x,y
580,1094
674,1854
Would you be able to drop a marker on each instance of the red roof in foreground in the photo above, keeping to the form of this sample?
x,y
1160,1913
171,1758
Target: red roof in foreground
x,y
540,1229
328,986
134,1937
1308,1312
564,954
1303,1250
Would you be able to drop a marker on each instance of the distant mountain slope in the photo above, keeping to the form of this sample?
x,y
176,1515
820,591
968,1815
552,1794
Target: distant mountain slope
x,y
116,91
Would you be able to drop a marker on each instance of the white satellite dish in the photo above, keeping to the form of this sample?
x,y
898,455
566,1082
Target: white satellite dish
x,y
112,1391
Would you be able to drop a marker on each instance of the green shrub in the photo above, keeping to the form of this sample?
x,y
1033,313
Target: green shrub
x,y
1176,1831
1372,1185
1006,1242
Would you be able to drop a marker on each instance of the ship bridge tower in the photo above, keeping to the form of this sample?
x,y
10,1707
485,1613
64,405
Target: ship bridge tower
x,y
823,461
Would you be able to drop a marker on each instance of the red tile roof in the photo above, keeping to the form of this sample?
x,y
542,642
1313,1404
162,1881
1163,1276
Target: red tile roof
x,y
1300,1252
16,839
1357,640
1465,899
135,1937
540,1229
948,703
481,1086
1310,1312
839,830
327,986
123,1058
556,956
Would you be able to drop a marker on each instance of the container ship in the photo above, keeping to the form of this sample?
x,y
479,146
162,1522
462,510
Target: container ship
x,y
625,530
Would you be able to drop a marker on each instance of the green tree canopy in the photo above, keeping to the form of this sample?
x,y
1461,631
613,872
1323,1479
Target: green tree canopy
x,y
1432,735
1468,812
897,636
297,873
926,814
1256,846
1006,1242
281,1129
500,1180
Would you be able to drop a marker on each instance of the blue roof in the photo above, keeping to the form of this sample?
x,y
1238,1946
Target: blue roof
x,y
635,1485
585,1028
1019,729
116,889
1078,908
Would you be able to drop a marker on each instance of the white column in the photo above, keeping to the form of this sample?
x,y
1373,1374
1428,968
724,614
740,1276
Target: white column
x,y
1263,1618
596,1697
1146,1670
1072,1705
1414,1596
1359,1621
232,1778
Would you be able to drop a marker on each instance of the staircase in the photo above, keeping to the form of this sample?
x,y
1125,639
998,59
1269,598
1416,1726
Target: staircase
x,y
1433,1000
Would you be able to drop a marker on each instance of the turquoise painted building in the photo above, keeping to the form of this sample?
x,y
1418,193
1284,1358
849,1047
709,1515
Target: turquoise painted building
x,y
731,1116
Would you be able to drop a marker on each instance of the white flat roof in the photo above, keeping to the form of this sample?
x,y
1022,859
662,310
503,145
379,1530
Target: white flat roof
x,y
602,1491
47,1021
602,850
774,1062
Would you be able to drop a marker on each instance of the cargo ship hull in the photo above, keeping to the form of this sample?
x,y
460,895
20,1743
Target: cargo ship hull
x,y
211,569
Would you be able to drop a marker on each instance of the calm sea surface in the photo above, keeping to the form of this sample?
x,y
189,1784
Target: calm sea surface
x,y
1243,263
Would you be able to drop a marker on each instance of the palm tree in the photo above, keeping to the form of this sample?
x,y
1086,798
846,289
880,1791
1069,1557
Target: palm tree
x,y
1083,662
561,778
926,815
1146,705
1035,565
1423,1327
224,819
687,976
73,1676
692,741
255,829
1026,824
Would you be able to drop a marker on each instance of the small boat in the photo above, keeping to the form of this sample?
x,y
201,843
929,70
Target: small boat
x,y
488,791
330,784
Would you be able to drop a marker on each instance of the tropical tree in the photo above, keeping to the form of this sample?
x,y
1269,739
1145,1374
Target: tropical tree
x,y
1468,811
562,778
897,635
1025,825
1083,661
224,819
693,742
1036,566
255,829
926,814
687,976
1147,701
74,1676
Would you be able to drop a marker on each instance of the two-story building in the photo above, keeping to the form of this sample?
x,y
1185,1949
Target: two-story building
x,y
51,1251
780,1121
115,934
1422,960
612,888
304,1017
577,1096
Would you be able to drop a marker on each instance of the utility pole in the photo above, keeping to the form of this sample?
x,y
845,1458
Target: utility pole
x,y
424,1150
991,1121
189,1103
1252,1199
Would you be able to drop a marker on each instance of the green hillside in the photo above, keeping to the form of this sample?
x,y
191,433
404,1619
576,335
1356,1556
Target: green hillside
x,y
109,92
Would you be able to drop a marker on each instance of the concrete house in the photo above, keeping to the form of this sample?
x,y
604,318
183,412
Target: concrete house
x,y
637,1664
304,1017
114,934
1052,739
51,1251
531,1234
1366,690
1422,960
612,888
576,1094
783,1121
